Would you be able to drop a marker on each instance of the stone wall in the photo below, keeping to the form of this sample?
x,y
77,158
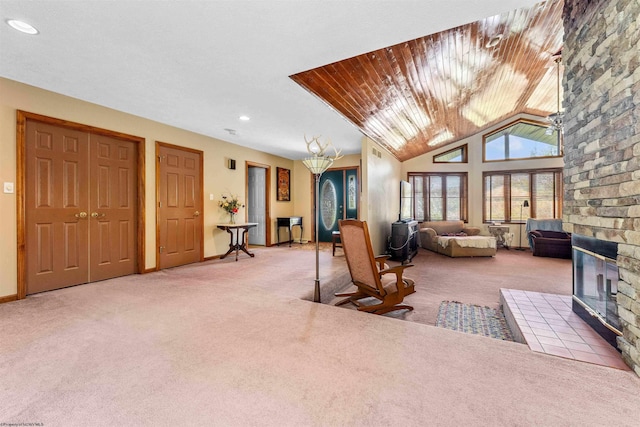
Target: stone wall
x,y
602,141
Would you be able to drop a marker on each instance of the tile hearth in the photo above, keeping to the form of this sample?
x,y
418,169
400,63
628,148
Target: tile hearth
x,y
546,323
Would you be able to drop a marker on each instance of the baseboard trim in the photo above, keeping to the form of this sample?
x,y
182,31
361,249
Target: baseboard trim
x,y
208,258
9,298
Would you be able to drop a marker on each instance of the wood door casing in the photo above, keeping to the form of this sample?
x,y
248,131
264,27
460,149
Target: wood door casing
x,y
68,173
56,239
180,239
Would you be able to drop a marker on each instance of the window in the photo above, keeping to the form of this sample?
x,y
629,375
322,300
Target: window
x,y
505,193
457,155
522,139
439,196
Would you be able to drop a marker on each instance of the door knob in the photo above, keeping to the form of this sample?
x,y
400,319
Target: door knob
x,y
196,213
81,215
97,215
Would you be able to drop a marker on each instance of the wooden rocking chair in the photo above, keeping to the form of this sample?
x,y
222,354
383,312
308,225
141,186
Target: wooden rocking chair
x,y
370,274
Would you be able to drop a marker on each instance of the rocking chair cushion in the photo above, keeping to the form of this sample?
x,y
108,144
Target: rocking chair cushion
x,y
389,283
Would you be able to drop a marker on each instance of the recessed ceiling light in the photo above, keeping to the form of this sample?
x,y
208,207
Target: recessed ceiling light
x,y
22,26
245,118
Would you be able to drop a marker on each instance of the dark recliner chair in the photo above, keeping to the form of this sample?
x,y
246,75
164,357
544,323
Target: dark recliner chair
x,y
554,244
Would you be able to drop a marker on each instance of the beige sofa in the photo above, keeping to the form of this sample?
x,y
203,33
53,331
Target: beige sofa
x,y
454,239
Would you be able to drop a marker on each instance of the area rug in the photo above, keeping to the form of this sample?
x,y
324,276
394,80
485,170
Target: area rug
x,y
473,319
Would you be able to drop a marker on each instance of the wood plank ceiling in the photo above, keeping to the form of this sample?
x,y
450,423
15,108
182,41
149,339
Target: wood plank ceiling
x,y
422,94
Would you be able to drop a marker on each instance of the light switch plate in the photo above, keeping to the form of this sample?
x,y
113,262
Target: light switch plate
x,y
8,187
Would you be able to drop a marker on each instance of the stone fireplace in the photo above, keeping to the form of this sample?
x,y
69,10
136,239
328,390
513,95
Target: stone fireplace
x,y
602,144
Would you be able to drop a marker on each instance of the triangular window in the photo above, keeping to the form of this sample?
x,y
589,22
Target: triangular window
x,y
522,139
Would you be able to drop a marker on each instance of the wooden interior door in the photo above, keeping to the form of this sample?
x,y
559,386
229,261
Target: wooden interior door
x,y
112,217
81,207
56,202
179,205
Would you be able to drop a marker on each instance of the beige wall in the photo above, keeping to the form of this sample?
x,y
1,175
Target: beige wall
x,y
380,192
217,178
303,191
380,173
475,168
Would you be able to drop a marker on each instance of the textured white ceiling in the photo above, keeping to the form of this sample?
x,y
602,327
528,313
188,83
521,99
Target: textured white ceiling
x,y
198,65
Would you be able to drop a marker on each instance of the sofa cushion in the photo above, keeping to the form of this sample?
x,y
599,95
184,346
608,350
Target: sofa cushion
x,y
480,242
444,227
432,231
548,234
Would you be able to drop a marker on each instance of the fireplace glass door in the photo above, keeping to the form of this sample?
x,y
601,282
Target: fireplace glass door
x,y
596,284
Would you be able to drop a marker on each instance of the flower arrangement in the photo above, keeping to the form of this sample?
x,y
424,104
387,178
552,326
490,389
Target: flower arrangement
x,y
231,204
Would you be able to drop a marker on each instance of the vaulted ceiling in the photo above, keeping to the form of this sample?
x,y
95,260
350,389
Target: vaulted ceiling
x,y
422,94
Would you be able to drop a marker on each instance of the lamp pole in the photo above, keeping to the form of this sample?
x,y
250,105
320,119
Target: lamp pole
x,y
316,289
317,165
526,205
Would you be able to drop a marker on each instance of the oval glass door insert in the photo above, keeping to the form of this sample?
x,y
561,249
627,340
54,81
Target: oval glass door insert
x,y
328,205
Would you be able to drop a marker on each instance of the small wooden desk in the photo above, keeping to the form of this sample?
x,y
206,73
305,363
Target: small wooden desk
x,y
240,241
289,222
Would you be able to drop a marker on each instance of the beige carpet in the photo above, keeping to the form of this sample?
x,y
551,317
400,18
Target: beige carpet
x,y
225,343
477,280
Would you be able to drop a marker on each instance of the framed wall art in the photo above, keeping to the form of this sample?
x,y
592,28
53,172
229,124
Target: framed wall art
x,y
284,185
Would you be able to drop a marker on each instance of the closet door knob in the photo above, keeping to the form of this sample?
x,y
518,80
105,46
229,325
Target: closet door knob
x,y
196,213
81,215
